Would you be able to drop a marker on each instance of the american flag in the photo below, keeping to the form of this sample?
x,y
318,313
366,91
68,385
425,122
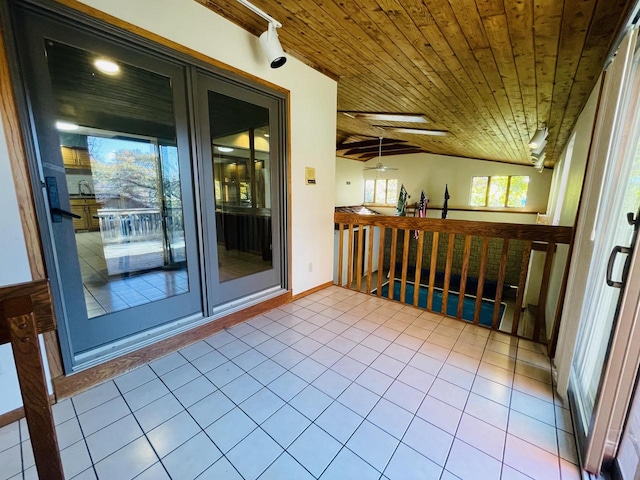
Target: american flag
x,y
422,209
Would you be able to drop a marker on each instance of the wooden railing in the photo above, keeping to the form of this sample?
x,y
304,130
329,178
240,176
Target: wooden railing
x,y
391,246
26,312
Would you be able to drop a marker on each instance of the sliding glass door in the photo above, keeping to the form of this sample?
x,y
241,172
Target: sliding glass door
x,y
160,183
607,351
111,127
243,189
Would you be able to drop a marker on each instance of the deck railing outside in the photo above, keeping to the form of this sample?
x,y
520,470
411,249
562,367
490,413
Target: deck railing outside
x,y
434,264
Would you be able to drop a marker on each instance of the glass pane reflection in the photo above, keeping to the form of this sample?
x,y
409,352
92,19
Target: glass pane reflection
x,y
240,149
118,144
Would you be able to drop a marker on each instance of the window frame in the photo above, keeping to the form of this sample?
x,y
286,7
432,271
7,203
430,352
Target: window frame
x,y
488,190
375,181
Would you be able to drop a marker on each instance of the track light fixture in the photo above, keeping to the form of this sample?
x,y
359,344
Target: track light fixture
x,y
269,40
538,160
537,144
540,149
272,48
539,138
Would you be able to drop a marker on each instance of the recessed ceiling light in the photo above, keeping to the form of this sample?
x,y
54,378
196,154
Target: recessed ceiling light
x,y
417,131
66,126
389,117
225,149
266,135
106,66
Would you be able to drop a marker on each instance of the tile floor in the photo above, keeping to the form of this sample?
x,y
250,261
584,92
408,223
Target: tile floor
x,y
337,385
106,293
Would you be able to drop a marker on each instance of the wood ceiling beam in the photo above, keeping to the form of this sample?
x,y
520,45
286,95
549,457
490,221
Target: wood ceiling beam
x,y
368,143
389,149
405,151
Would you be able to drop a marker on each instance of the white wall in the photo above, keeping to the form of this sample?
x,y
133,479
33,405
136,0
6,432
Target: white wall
x,y
313,116
349,182
429,172
568,209
14,269
583,247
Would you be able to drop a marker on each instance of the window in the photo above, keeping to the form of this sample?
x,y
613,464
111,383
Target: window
x,y
381,191
499,191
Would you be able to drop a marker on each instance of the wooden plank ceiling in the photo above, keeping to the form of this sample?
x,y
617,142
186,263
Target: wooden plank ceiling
x,y
489,72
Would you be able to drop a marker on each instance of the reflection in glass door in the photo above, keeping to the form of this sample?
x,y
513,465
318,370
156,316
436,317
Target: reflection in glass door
x,y
600,384
242,181
243,208
113,139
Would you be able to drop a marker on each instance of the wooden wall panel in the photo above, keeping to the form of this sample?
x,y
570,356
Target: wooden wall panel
x,y
490,72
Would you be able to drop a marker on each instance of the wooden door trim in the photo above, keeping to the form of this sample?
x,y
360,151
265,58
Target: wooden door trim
x,y
24,195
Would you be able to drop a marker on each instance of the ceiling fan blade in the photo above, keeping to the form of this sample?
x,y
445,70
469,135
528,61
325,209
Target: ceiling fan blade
x,y
380,168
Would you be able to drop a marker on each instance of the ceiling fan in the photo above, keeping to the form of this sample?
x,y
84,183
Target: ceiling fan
x,y
380,167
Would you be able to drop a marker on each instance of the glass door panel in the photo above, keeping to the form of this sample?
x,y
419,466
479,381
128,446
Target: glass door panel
x,y
242,181
596,385
113,141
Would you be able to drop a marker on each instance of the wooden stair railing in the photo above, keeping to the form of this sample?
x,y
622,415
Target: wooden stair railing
x,y
25,312
535,237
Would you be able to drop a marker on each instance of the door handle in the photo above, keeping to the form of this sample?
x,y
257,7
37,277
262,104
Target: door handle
x,y
612,258
64,213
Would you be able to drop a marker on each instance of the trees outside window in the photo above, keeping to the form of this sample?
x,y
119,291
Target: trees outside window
x,y
381,191
499,191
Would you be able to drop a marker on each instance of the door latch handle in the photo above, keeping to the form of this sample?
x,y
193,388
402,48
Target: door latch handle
x,y
64,213
612,258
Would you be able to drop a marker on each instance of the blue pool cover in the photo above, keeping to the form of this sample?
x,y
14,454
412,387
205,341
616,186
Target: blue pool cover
x,y
468,309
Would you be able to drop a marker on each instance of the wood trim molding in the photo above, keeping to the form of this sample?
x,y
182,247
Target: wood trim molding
x,y
66,386
311,290
22,182
514,231
19,166
17,414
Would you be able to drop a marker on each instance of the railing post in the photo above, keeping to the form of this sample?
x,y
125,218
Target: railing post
x,y
522,281
416,282
405,264
495,321
359,260
381,248
432,269
370,257
19,325
544,290
463,274
340,251
481,276
447,274
392,263
350,257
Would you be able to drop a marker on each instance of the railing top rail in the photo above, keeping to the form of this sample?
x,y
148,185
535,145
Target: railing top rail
x,y
516,231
